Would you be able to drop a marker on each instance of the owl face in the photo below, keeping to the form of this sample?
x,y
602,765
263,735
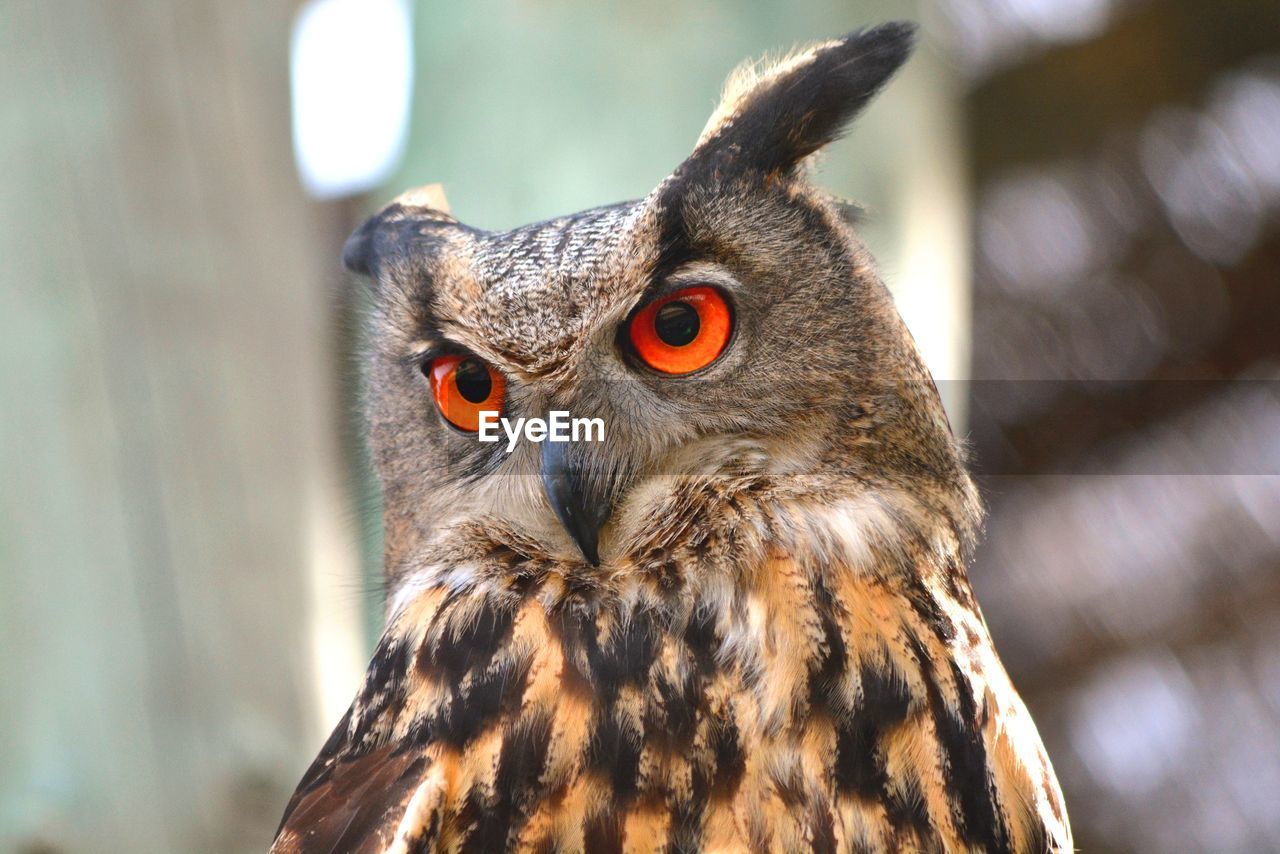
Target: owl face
x,y
729,325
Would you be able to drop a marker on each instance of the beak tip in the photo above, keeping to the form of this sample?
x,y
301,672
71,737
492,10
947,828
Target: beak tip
x,y
584,535
564,488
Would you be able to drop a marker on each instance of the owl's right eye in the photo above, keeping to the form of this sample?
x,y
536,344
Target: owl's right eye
x,y
463,387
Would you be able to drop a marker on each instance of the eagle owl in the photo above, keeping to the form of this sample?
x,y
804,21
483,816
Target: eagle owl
x,y
741,621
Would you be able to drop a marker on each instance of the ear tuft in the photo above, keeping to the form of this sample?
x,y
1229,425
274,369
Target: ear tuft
x,y
396,228
427,196
774,114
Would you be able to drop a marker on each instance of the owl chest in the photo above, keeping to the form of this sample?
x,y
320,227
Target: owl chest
x,y
638,738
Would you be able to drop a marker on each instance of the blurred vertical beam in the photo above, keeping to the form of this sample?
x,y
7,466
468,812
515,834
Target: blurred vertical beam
x,y
932,286
171,505
909,167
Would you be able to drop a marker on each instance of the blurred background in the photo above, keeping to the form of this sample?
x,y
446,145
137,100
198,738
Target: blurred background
x,y
1076,202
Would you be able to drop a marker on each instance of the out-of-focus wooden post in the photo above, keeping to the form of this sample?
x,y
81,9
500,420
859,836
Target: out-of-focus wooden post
x,y
172,519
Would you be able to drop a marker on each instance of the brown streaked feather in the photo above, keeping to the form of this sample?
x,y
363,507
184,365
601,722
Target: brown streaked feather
x,y
358,805
631,726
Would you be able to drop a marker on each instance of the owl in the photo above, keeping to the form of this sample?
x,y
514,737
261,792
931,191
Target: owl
x,y
737,617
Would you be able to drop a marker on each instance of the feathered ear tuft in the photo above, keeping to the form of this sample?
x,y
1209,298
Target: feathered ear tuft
x,y
774,115
399,227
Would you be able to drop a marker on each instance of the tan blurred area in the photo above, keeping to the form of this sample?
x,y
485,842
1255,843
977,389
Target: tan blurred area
x,y
173,505
1076,203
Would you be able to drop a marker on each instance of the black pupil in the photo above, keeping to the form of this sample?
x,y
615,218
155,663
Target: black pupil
x,y
677,323
473,380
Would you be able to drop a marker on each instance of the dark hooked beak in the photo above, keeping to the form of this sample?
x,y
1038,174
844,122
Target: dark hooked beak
x,y
578,507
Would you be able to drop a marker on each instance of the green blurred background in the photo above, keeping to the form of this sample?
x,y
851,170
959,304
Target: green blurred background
x,y
1076,203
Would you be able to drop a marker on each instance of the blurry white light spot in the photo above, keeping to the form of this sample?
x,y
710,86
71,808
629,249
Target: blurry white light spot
x,y
1061,20
1248,108
1212,199
351,66
1134,721
1037,233
987,34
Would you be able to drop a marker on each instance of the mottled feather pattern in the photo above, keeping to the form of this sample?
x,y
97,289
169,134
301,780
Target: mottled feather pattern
x,y
776,647
767,698
532,274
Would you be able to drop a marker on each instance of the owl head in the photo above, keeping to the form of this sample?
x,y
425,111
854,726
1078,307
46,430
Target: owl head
x,y
729,331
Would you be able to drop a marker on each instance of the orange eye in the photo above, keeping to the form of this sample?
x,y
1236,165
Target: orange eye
x,y
463,386
683,331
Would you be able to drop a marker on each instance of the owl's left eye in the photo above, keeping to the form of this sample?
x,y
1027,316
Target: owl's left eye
x,y
463,387
682,332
